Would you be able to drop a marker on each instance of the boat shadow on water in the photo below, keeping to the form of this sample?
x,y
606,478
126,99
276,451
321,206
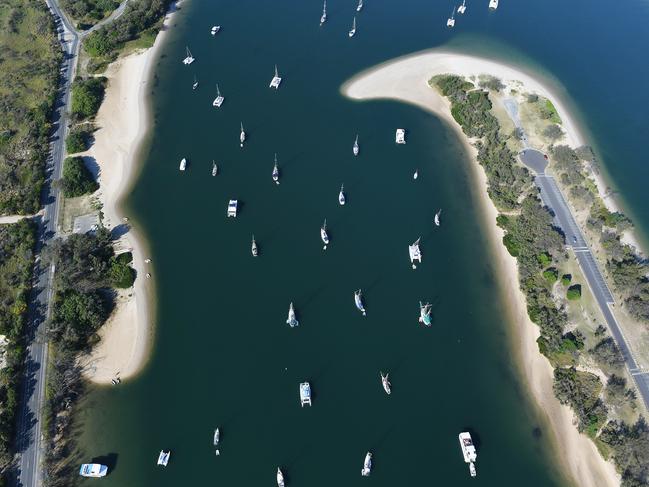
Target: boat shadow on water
x,y
110,460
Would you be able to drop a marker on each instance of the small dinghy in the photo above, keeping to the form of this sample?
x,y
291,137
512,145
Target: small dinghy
x,y
324,235
424,314
253,247
280,478
367,465
341,195
415,253
292,320
358,301
195,85
276,171
387,387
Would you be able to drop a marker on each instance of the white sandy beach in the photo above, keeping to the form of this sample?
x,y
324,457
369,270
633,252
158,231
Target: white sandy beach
x,y
406,79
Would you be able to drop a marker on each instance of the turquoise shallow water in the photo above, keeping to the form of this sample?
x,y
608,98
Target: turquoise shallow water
x,y
223,354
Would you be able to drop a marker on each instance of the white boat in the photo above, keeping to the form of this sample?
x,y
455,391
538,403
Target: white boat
x,y
424,314
94,470
341,195
242,136
462,8
358,301
324,235
292,320
188,58
355,149
215,29
183,164
323,18
416,174
217,436
367,465
305,393
218,101
436,220
232,208
276,171
215,169
451,20
253,247
400,136
353,31
359,7
468,451
415,253
280,478
493,4
195,85
274,83
163,458
387,387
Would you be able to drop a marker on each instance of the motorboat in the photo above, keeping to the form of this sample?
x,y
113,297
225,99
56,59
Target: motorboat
x,y
358,301
324,235
292,320
233,205
462,8
253,247
215,29
218,101
436,219
305,393
353,31
451,20
274,83
359,7
323,18
387,387
280,478
468,451
341,195
424,314
188,58
276,171
163,457
415,253
355,149
94,470
215,168
493,4
416,174
195,85
183,164
242,136
367,465
400,136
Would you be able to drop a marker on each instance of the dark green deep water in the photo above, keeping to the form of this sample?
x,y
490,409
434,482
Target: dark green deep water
x,y
223,355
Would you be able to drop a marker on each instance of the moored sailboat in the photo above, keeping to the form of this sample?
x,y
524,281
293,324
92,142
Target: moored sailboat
x,y
292,320
215,29
352,32
275,82
324,235
341,195
355,148
323,18
215,168
188,58
415,253
451,20
242,136
280,478
493,4
359,7
253,247
218,101
387,387
195,85
276,171
367,465
163,457
358,301
416,174
424,314
462,8
183,164
436,219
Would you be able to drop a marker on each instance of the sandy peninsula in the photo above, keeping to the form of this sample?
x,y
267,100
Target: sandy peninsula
x,y
406,79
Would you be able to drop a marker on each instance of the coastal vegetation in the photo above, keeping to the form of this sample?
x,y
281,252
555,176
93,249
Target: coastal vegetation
x,y
77,179
89,12
28,81
87,95
77,141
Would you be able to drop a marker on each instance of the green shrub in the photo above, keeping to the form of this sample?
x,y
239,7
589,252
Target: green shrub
x,y
121,274
551,275
76,180
510,243
544,258
574,292
566,279
77,141
87,96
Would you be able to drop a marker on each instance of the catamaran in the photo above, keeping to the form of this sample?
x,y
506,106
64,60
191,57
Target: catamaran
x,y
462,8
387,387
451,21
416,174
163,457
280,478
323,18
232,208
253,247
358,301
341,195
242,136
94,470
367,465
424,314
324,235
188,58
436,220
415,253
353,31
355,149
493,4
195,85
305,393
218,101
276,171
359,7
400,136
215,29
292,320
183,164
468,451
215,168
274,83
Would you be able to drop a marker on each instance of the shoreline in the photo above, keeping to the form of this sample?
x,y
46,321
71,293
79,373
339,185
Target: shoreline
x,y
124,121
406,79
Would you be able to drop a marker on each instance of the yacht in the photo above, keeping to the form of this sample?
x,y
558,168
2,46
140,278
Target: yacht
x,y
323,18
324,235
215,168
424,314
462,8
305,393
387,387
188,58
94,470
359,7
292,320
232,208
451,20
215,29
218,101
253,247
280,478
416,174
436,220
401,136
183,164
341,195
367,465
353,31
274,83
217,436
358,300
242,136
195,85
276,171
493,4
468,451
163,458
355,149
415,253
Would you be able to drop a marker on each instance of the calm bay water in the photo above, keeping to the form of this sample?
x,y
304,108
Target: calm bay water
x,y
223,354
